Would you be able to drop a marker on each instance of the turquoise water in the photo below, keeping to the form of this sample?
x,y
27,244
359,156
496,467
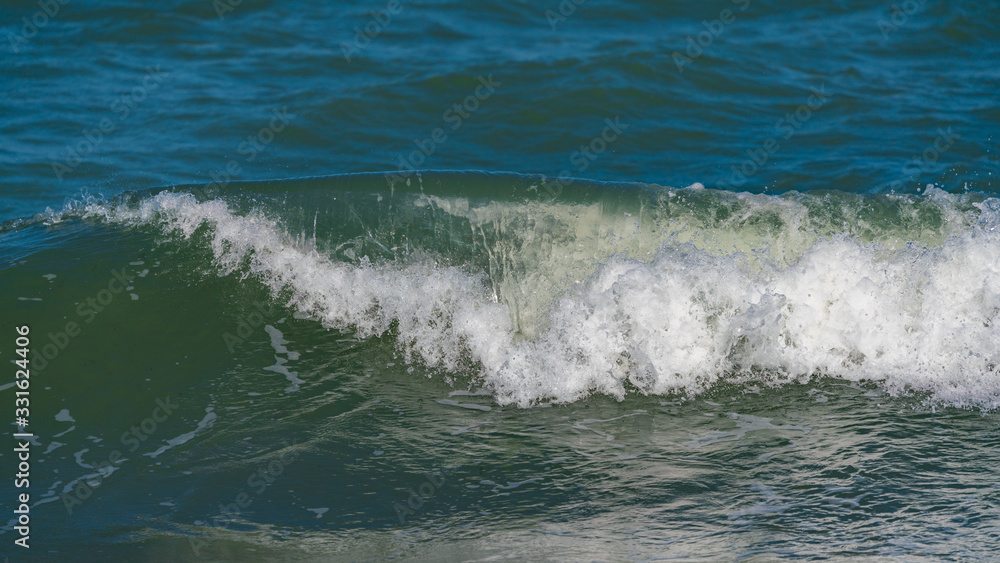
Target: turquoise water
x,y
597,281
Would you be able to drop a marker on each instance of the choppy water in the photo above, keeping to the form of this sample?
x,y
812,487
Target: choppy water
x,y
735,299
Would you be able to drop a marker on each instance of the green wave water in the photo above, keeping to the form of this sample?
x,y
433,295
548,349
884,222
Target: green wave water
x,y
378,366
397,364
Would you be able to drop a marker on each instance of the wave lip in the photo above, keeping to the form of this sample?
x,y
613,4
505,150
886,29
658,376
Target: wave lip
x,y
620,301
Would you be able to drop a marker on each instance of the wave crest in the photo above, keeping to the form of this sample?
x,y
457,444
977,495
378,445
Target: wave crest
x,y
552,301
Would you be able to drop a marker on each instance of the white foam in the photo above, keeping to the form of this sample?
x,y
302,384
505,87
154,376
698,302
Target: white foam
x,y
470,406
922,317
745,423
79,458
319,512
207,422
52,446
278,343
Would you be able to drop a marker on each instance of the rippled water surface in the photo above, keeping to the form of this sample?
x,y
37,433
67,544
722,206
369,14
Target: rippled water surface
x,y
607,281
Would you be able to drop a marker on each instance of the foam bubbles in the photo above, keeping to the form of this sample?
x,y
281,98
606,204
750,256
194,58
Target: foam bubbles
x,y
674,316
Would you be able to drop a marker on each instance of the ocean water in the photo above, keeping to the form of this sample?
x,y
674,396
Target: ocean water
x,y
440,281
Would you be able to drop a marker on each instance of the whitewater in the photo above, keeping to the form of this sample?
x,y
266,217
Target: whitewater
x,y
552,301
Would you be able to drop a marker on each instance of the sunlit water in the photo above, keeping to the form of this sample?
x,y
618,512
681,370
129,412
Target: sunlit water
x,y
483,365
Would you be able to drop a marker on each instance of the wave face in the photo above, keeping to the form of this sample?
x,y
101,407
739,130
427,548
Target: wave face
x,y
543,293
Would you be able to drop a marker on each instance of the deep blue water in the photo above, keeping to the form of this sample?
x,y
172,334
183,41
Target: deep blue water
x,y
568,281
890,90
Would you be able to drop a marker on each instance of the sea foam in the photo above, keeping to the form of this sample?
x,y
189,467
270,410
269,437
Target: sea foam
x,y
621,307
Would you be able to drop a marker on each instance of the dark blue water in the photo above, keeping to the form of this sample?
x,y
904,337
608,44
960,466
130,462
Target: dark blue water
x,y
569,351
183,87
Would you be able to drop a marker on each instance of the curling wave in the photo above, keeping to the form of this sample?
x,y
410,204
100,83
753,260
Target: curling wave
x,y
549,296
